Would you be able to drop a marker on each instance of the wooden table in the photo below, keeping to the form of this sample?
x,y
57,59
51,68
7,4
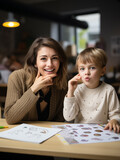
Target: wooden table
x,y
54,146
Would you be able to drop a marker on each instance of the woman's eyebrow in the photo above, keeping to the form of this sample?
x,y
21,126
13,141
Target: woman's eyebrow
x,y
55,55
43,55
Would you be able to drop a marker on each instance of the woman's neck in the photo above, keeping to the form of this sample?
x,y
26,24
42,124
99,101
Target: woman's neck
x,y
45,90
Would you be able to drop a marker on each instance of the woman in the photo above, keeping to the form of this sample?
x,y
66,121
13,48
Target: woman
x,y
36,92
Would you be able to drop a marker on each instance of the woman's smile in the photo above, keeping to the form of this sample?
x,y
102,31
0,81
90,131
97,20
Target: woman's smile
x,y
49,71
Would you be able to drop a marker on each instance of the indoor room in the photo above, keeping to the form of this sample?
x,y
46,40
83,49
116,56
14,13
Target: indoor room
x,y
75,25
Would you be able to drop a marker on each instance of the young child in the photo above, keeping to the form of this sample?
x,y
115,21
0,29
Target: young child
x,y
92,101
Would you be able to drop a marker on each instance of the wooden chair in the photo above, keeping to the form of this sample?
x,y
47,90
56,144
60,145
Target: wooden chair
x,y
3,91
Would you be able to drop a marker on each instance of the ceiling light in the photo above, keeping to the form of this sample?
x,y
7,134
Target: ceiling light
x,y
11,22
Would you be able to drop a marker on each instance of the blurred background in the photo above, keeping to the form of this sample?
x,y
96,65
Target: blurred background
x,y
76,24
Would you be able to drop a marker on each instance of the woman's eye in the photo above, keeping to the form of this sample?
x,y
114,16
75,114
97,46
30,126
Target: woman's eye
x,y
43,59
55,58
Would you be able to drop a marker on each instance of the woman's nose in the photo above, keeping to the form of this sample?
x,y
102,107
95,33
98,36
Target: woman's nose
x,y
49,62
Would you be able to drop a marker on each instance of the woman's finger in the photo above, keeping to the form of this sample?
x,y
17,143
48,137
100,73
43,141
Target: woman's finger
x,y
38,75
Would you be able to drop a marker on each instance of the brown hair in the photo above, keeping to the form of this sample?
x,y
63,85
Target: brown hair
x,y
60,81
96,55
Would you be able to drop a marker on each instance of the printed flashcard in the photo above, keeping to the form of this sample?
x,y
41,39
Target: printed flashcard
x,y
85,133
29,133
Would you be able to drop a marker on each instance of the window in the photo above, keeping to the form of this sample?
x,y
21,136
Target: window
x,y
88,37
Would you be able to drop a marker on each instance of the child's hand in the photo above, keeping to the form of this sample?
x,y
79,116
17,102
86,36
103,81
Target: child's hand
x,y
113,124
72,85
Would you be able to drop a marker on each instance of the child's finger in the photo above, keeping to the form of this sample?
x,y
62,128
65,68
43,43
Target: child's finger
x,y
118,129
110,127
79,76
106,127
114,128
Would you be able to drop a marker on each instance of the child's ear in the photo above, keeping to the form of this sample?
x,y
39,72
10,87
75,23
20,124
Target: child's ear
x,y
103,71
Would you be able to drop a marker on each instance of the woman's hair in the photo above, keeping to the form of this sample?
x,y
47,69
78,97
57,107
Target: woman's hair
x,y
94,55
61,80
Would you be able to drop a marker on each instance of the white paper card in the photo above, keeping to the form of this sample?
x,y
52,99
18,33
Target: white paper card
x,y
86,133
29,133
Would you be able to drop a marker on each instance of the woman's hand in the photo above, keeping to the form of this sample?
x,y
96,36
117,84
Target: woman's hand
x,y
72,85
113,124
42,82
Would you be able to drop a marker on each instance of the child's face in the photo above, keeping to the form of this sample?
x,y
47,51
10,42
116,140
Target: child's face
x,y
90,74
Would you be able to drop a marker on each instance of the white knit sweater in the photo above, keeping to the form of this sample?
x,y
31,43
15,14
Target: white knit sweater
x,y
97,105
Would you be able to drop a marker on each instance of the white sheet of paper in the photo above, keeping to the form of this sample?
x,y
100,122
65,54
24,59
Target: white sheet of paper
x,y
29,133
86,133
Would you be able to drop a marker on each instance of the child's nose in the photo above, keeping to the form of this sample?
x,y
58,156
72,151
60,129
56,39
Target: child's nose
x,y
87,71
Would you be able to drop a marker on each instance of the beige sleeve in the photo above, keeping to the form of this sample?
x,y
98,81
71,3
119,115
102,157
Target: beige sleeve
x,y
18,101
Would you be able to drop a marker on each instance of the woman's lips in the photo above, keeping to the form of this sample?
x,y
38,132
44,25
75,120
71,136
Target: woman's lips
x,y
49,70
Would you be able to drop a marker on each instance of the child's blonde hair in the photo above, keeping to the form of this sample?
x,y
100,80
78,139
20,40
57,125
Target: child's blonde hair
x,y
92,55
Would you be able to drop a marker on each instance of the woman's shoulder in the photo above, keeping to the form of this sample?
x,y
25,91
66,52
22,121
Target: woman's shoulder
x,y
19,73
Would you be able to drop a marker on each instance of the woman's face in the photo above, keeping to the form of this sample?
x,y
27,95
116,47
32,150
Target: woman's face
x,y
47,61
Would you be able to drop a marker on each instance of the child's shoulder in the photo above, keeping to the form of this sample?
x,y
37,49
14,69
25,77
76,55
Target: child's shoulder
x,y
107,86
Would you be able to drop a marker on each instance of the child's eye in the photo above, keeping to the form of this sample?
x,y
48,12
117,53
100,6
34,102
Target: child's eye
x,y
92,68
81,69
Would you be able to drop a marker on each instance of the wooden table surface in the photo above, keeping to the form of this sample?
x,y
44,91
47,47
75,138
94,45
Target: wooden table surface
x,y
55,147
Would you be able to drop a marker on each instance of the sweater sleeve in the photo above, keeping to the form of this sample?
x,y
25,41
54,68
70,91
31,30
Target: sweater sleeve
x,y
70,109
18,100
114,106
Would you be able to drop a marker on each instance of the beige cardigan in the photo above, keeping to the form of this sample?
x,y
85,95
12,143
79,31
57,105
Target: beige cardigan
x,y
21,101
